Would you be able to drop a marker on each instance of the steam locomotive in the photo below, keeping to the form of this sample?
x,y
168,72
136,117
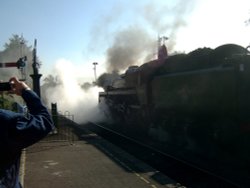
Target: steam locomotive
x,y
195,106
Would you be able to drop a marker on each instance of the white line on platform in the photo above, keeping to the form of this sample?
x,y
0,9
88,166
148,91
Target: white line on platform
x,y
22,167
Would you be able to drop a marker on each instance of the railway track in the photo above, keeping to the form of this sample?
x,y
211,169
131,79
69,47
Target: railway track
x,y
183,172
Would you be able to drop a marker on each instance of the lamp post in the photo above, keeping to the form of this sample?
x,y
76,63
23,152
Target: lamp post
x,y
95,63
35,76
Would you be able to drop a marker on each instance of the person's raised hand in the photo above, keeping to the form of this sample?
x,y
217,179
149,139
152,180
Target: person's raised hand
x,y
17,86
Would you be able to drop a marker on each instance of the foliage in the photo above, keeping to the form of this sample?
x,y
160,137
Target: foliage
x,y
247,21
50,81
85,86
14,49
6,102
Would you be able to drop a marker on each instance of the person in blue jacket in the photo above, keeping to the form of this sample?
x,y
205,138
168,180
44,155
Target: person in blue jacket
x,y
18,131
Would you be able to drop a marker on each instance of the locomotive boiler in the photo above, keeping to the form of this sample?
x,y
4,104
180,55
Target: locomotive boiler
x,y
195,106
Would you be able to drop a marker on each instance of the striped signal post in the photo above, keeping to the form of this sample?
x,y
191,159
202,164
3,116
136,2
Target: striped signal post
x,y
20,64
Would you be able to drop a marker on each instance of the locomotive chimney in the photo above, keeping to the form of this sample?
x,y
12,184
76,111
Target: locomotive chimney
x,y
162,49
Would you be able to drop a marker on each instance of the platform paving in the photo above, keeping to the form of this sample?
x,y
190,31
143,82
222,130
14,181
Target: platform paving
x,y
90,162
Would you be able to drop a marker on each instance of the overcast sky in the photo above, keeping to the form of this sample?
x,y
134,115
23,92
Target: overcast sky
x,y
81,31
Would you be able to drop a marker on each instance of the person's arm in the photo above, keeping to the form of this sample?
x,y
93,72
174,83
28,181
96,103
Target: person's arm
x,y
27,131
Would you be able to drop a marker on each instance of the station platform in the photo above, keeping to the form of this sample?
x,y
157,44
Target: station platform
x,y
88,162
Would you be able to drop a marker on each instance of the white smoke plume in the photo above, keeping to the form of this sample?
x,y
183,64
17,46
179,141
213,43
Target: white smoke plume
x,y
168,19
71,98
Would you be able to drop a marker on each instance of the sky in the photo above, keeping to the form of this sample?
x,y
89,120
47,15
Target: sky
x,y
81,32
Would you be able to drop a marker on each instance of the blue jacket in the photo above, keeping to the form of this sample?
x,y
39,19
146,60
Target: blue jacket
x,y
18,132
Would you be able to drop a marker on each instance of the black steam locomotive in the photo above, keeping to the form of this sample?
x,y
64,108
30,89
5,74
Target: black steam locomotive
x,y
195,106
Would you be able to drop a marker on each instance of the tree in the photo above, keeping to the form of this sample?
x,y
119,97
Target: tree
x,y
14,49
247,21
85,86
15,42
50,81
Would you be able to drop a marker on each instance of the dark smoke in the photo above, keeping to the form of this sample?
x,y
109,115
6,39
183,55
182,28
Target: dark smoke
x,y
133,45
128,48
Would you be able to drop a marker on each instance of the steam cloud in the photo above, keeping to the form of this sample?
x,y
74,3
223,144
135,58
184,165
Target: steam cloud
x,y
168,19
132,45
71,98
